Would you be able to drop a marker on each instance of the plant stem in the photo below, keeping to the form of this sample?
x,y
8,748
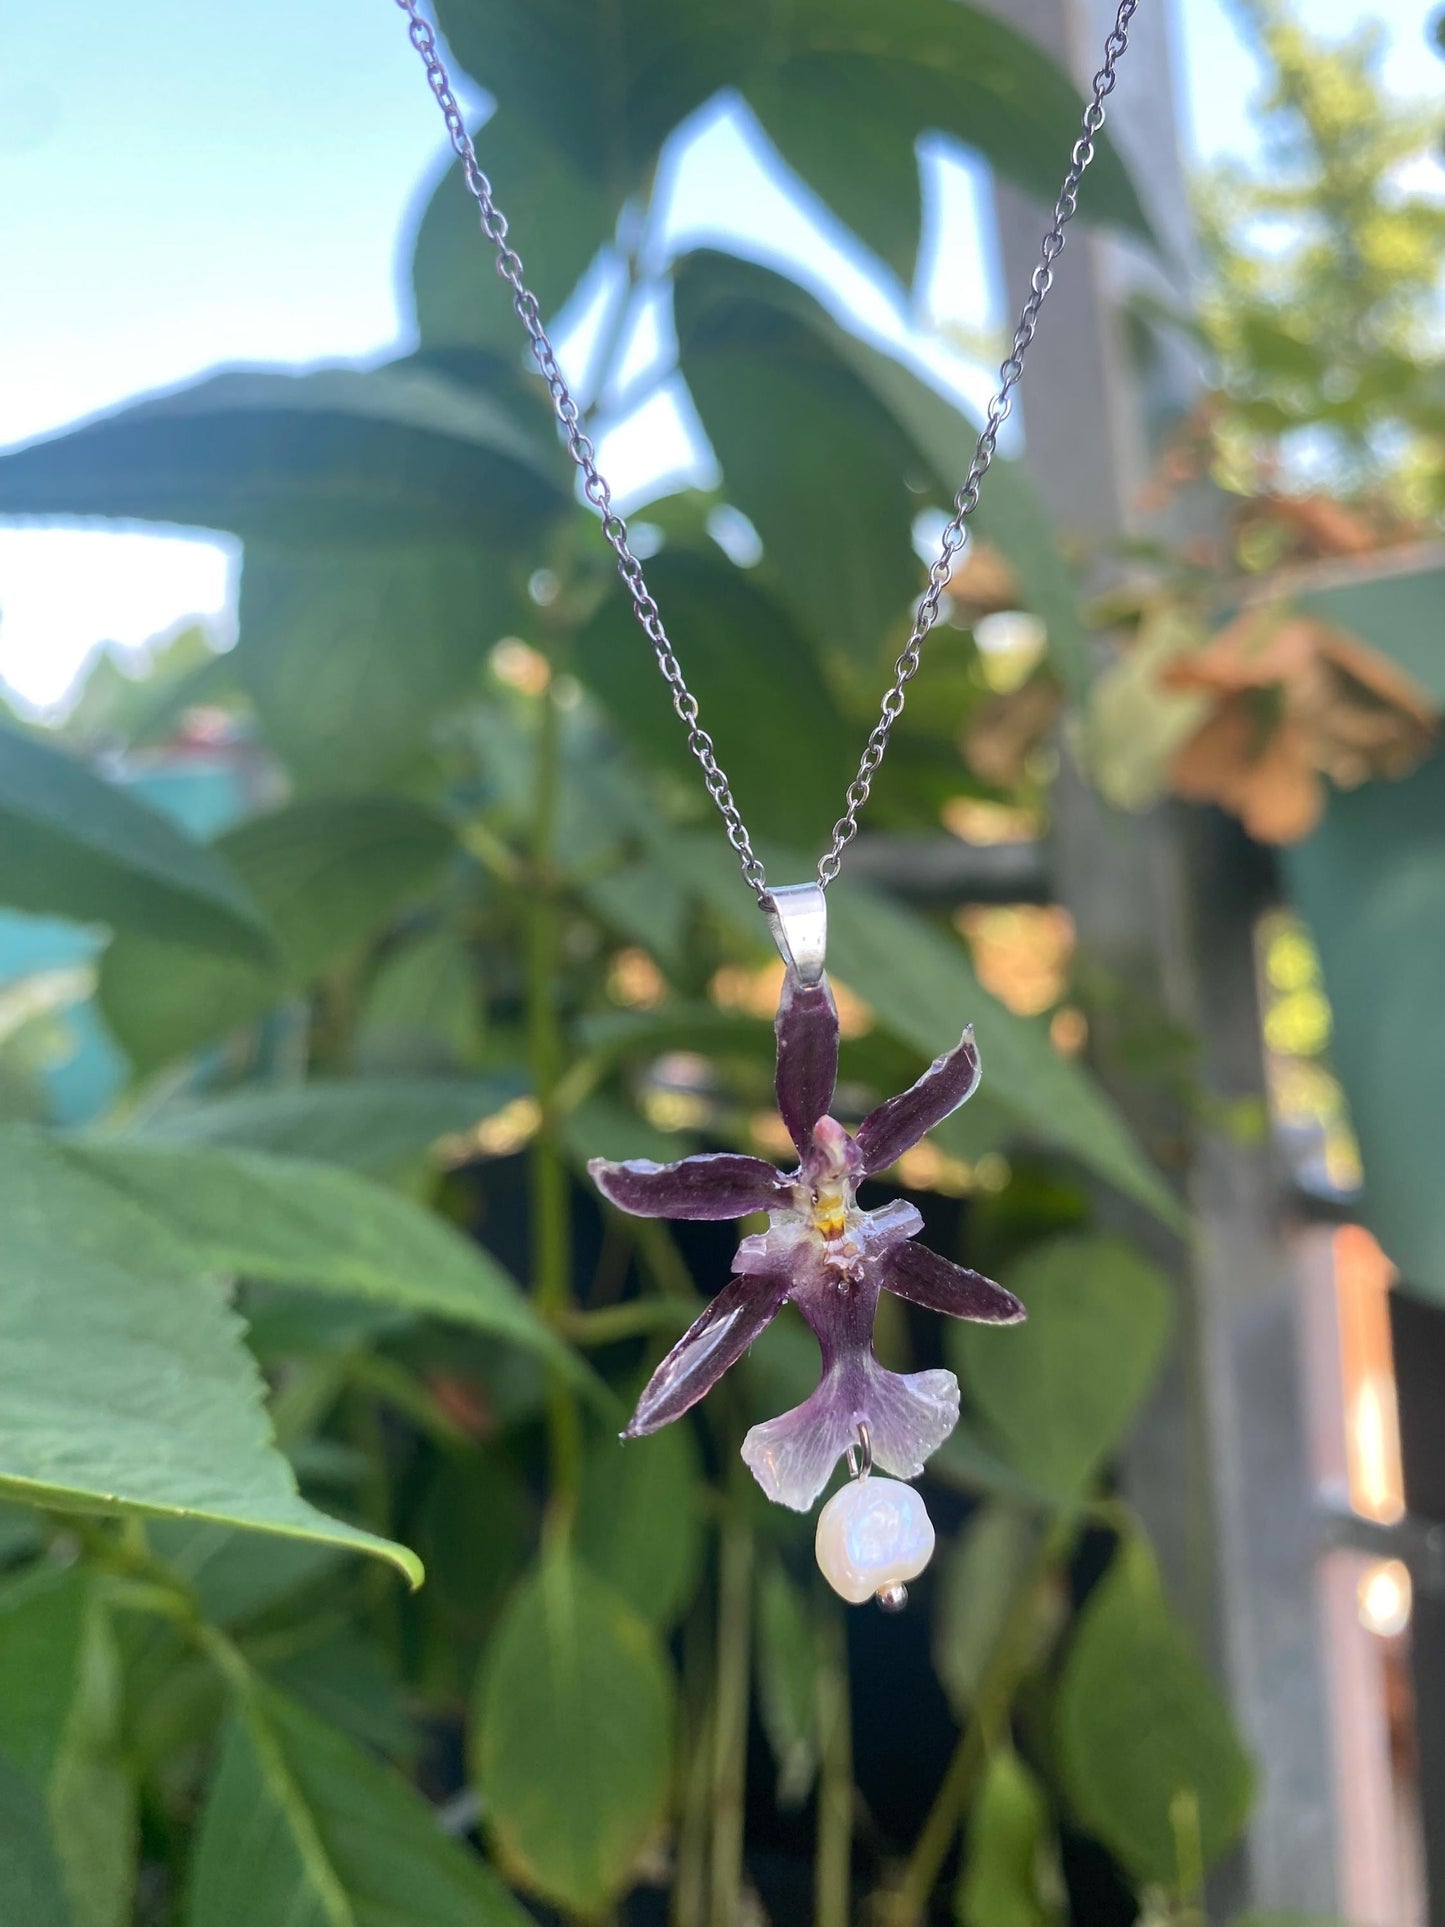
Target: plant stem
x,y
551,1198
730,1713
907,1904
833,1857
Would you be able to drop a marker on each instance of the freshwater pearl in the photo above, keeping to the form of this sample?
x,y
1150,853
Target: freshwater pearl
x,y
872,1533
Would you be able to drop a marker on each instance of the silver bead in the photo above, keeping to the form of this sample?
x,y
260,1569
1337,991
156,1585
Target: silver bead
x,y
892,1598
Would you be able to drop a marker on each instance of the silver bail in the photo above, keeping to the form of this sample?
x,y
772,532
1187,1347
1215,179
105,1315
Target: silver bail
x,y
797,915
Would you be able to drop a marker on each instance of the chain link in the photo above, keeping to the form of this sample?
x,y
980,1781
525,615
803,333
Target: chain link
x,y
614,527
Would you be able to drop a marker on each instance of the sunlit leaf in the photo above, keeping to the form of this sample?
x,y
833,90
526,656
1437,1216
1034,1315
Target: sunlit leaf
x,y
293,1221
73,845
302,1826
1146,1747
129,1388
1060,1390
339,454
573,1732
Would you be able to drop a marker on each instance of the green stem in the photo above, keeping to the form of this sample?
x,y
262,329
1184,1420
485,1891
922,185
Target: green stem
x,y
626,1320
551,1196
689,1887
730,1714
833,1857
907,1905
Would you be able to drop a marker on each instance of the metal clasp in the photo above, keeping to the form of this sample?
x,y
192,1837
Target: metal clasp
x,y
797,915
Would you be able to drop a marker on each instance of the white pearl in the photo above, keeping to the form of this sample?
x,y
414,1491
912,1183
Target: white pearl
x,y
871,1534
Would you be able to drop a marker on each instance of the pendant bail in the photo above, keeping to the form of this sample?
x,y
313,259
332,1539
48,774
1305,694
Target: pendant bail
x,y
797,915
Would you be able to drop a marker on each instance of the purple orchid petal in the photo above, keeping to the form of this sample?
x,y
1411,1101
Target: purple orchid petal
x,y
717,1184
807,1032
897,1125
921,1276
908,1418
741,1310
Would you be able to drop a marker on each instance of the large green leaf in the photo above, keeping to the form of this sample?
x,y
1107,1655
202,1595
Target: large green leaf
x,y
640,1521
60,1726
1060,1391
348,658
342,454
1146,1748
776,729
372,1124
73,845
291,1221
128,1386
423,1009
560,214
302,1828
826,442
1370,883
844,88
1010,1874
573,1727
628,70
327,873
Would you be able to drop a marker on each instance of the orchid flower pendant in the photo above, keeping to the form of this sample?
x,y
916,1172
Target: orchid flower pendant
x,y
832,1260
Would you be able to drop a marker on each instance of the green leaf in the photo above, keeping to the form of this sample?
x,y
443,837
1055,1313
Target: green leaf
x,y
327,874
303,1827
238,1575
560,214
1060,1390
787,1660
60,1705
1370,883
30,1878
423,1007
825,441
349,658
342,454
980,1586
629,72
1146,1748
639,1520
573,1728
778,733
73,845
1011,1874
290,1221
845,88
129,1388
373,1124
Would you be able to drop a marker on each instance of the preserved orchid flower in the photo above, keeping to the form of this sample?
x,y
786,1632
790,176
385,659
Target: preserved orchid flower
x,y
826,1255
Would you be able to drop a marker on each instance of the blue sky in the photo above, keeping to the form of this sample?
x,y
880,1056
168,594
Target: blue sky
x,y
192,185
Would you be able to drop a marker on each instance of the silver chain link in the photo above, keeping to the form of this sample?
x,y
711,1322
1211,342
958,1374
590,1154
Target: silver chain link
x,y
614,528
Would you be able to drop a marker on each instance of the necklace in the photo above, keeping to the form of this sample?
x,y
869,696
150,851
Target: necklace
x,y
820,1250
